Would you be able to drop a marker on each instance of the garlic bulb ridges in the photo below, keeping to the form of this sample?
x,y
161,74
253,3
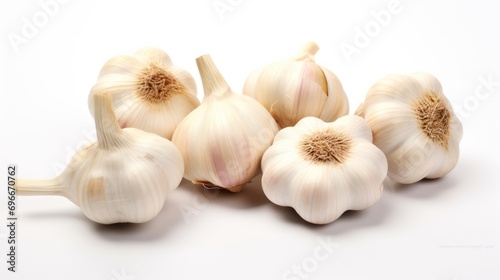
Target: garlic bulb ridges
x,y
414,124
295,88
323,169
223,140
147,90
123,177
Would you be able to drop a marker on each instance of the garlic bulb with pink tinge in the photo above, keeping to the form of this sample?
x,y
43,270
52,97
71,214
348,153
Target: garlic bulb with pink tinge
x,y
223,140
295,88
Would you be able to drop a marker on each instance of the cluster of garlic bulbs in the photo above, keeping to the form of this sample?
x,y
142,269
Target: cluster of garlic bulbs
x,y
322,169
321,163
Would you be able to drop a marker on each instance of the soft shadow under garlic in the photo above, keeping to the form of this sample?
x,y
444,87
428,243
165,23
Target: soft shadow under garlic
x,y
159,227
289,215
251,196
72,215
350,220
353,220
425,188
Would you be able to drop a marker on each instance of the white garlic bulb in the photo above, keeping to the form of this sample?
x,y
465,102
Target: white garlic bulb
x,y
147,90
295,88
123,177
414,124
323,169
223,140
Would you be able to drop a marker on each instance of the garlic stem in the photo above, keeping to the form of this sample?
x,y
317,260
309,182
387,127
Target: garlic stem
x,y
307,52
213,82
31,187
108,129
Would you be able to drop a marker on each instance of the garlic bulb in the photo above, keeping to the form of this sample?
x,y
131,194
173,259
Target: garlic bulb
x,y
148,92
123,177
323,169
295,88
223,140
414,125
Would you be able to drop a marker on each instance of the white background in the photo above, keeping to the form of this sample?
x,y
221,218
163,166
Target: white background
x,y
442,229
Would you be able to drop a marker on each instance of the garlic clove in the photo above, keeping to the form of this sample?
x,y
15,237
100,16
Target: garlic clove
x,y
147,90
249,88
223,140
323,169
294,88
336,104
414,124
123,177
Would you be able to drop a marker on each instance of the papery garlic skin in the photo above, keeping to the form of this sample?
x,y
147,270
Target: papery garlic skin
x,y
147,90
323,169
124,177
414,124
223,140
295,88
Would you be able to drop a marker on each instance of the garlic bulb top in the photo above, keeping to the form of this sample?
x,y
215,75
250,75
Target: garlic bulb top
x,y
147,90
223,140
414,124
295,88
123,177
323,169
